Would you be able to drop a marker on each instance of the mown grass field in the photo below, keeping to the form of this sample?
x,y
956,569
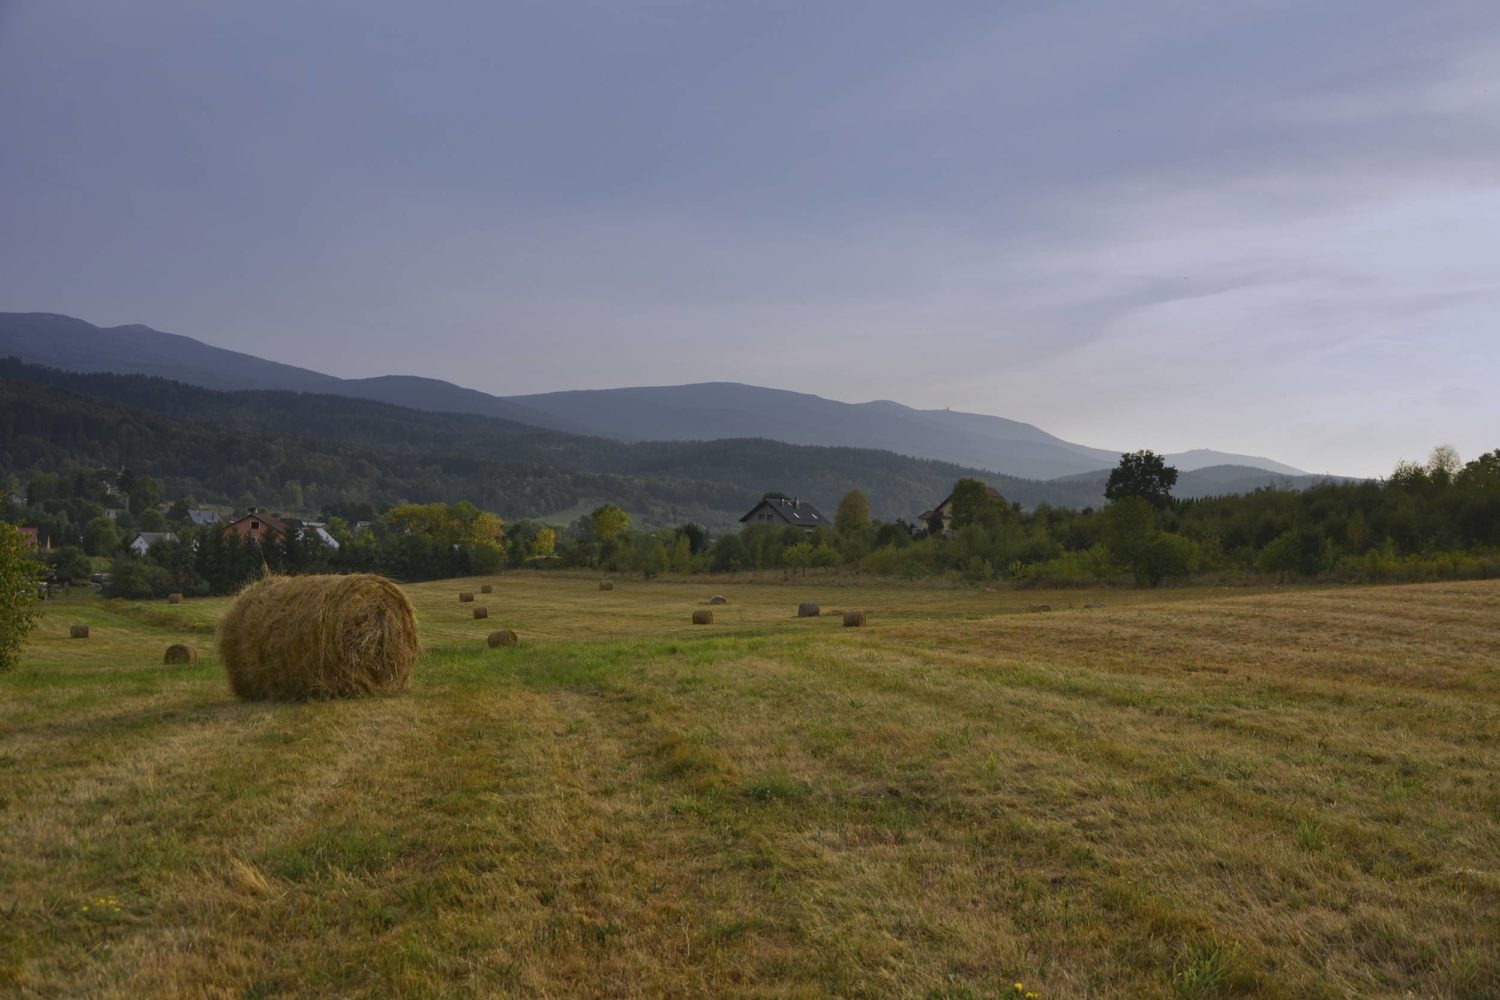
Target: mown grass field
x,y
1178,794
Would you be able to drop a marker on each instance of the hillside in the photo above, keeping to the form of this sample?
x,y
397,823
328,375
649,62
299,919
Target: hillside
x,y
234,447
703,411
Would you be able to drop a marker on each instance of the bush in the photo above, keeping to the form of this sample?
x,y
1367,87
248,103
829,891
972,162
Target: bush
x,y
130,576
18,592
72,566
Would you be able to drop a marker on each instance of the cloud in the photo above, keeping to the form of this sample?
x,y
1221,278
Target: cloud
x,y
1265,227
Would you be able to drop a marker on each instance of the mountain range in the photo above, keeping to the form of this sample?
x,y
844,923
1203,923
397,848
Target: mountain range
x,y
703,411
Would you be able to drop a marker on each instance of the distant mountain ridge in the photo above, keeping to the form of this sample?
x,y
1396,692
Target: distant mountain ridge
x,y
701,411
249,446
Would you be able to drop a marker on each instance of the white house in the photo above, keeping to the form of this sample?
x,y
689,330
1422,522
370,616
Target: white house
x,y
146,539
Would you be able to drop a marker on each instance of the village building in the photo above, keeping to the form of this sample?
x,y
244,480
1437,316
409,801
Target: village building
x,y
319,530
146,540
203,518
939,520
36,539
784,511
256,526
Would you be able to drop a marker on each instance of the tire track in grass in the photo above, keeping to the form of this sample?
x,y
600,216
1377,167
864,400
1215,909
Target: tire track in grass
x,y
158,818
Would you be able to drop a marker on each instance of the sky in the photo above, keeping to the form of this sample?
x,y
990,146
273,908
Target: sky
x,y
1263,227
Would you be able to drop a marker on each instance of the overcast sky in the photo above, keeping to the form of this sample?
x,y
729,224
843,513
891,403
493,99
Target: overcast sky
x,y
1261,227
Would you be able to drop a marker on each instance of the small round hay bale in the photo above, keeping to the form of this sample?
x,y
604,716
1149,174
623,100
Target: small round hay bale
x,y
1092,607
486,588
854,619
703,617
480,611
464,597
1040,607
606,585
290,638
174,598
718,599
78,632
504,637
178,653
807,610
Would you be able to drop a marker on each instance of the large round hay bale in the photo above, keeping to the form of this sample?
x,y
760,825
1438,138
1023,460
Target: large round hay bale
x,y
718,599
854,619
480,611
486,588
290,638
807,610
1034,608
606,585
78,632
504,637
703,617
178,653
464,597
174,598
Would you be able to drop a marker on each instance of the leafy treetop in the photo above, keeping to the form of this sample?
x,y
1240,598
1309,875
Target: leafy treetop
x,y
1143,474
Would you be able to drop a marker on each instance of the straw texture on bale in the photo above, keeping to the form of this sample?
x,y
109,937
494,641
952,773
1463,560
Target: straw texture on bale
x,y
464,597
606,585
174,598
703,617
1040,607
718,599
807,610
480,611
290,638
178,653
486,588
854,619
78,632
504,637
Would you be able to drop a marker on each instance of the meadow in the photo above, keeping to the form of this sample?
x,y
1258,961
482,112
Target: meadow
x,y
1180,793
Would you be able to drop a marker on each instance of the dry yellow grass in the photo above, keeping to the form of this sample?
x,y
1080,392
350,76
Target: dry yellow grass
x,y
1192,794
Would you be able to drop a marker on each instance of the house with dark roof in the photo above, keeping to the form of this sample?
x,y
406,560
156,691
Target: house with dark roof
x,y
203,518
939,520
783,511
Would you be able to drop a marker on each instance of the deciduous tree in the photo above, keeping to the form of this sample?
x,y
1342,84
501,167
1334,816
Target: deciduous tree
x,y
1143,474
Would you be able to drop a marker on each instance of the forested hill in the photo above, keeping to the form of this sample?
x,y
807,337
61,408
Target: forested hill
x,y
641,413
307,451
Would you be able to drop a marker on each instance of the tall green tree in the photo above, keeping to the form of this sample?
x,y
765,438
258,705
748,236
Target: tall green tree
x,y
608,521
973,504
1143,474
853,517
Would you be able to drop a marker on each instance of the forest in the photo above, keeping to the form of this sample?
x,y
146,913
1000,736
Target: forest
x,y
304,452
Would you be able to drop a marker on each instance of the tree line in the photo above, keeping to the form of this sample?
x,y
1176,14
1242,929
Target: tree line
x,y
1439,519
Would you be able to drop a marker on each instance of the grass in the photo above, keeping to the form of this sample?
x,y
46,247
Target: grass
x,y
1183,794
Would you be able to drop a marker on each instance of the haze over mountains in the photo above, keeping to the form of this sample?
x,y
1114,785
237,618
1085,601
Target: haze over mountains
x,y
702,411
